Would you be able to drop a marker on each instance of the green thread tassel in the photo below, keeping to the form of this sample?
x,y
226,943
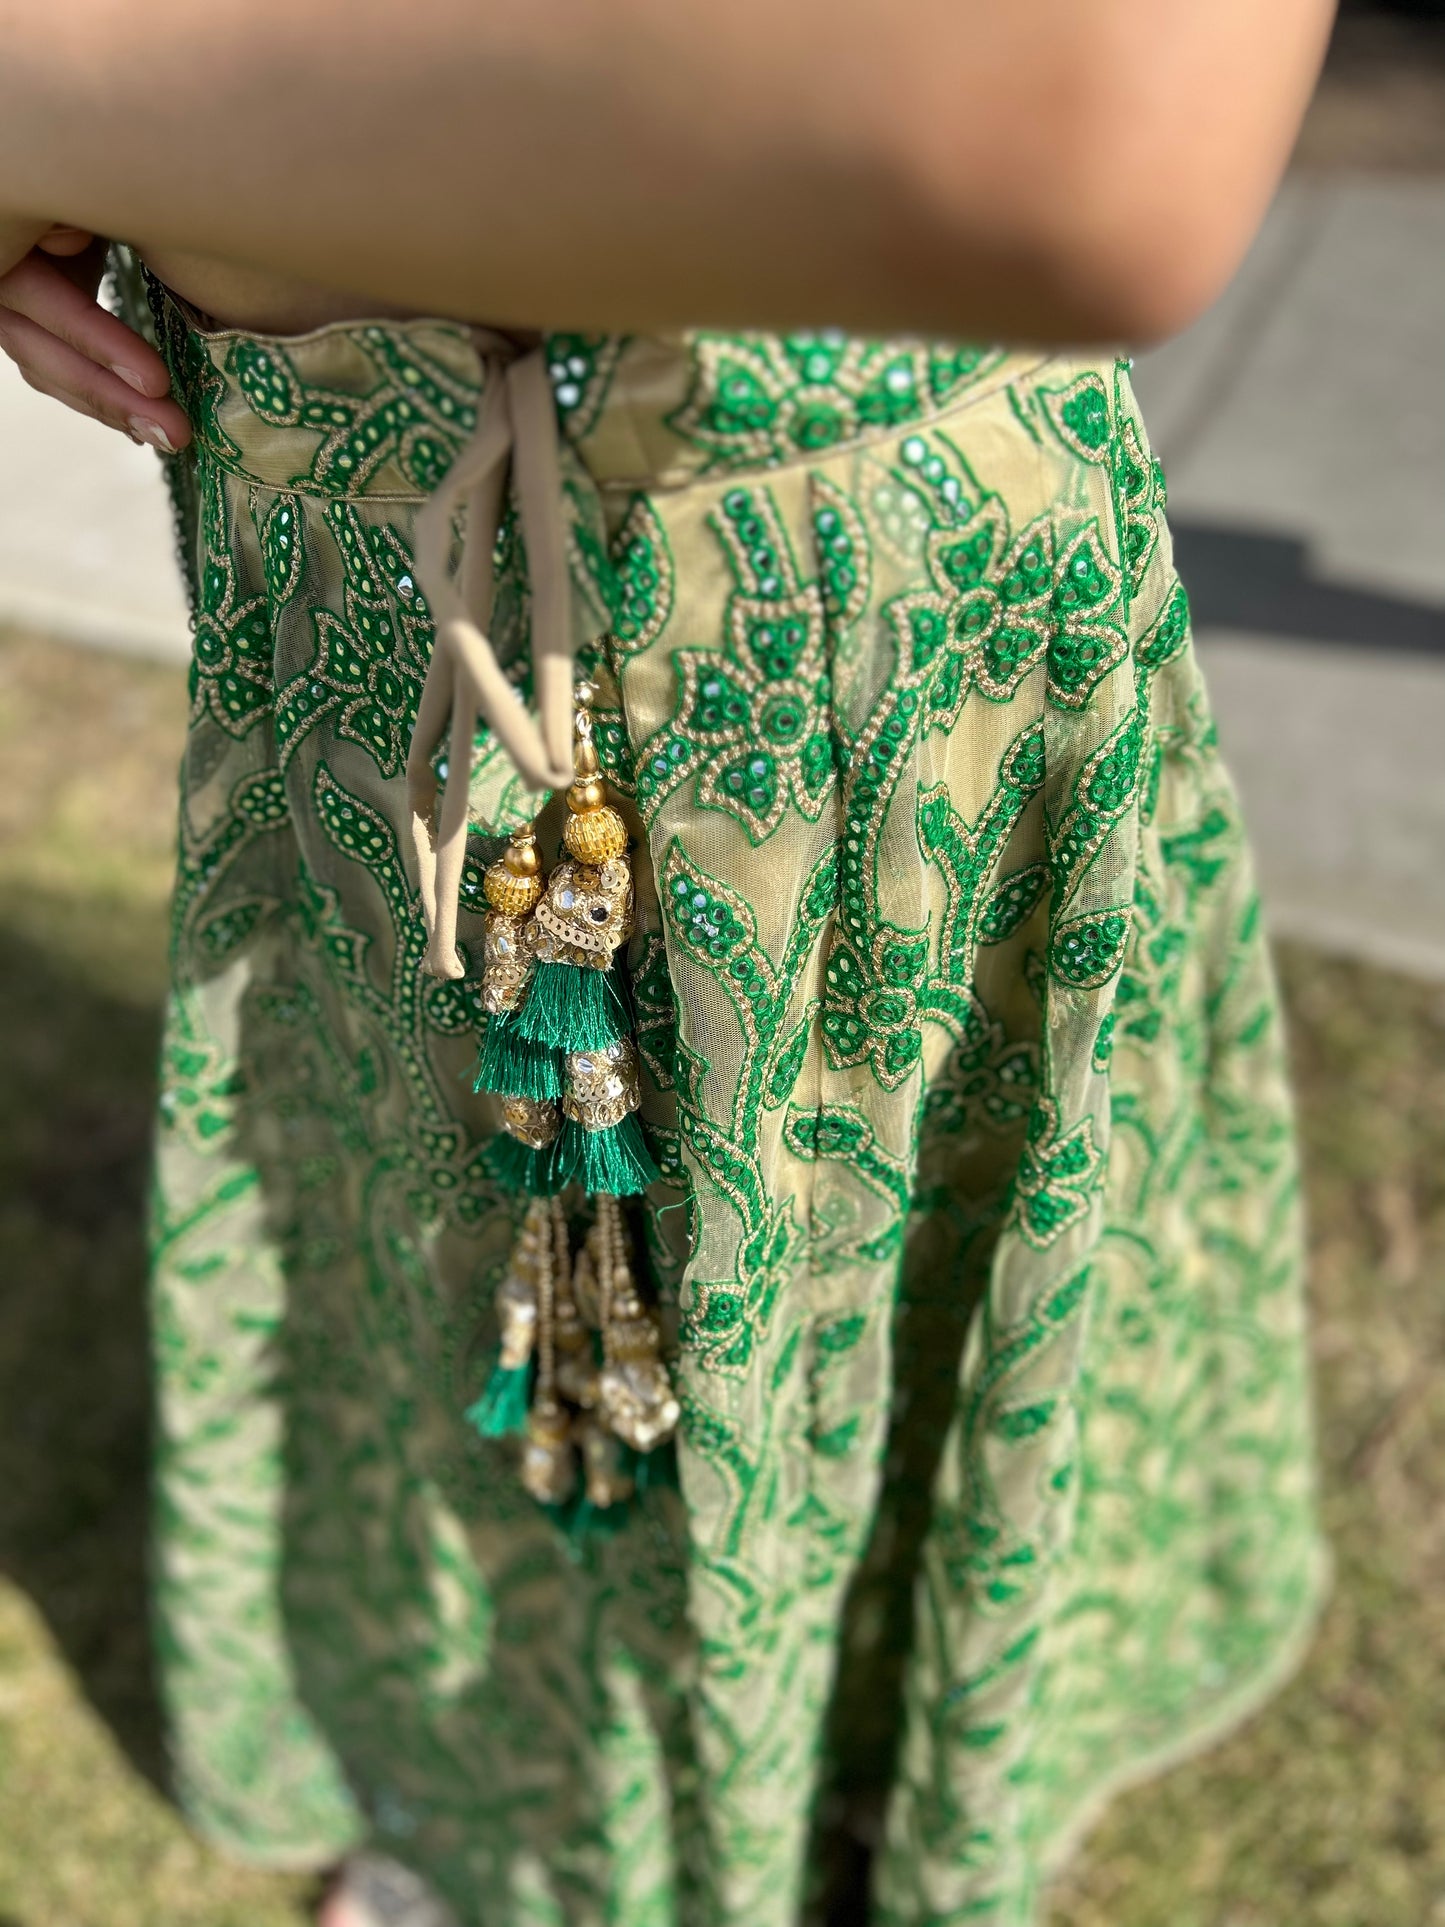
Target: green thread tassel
x,y
514,1065
584,1525
501,1411
518,1168
654,1471
572,1007
616,1160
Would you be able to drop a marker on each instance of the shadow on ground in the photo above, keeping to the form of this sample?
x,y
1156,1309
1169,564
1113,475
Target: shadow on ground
x,y
1267,585
76,1096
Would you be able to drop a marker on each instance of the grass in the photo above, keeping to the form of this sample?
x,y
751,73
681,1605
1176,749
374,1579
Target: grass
x,y
1324,1811
1321,1813
88,745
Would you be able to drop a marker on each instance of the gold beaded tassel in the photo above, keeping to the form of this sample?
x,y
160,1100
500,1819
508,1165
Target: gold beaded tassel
x,y
584,916
635,1394
511,1063
575,1004
501,1411
600,1390
529,1076
581,1375
607,1481
549,1469
512,887
558,1046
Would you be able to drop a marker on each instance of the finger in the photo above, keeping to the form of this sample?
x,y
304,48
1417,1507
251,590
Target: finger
x,y
57,369
38,290
65,240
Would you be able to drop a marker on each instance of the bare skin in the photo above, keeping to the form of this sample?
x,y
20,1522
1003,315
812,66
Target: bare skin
x,y
1039,172
261,303
337,1911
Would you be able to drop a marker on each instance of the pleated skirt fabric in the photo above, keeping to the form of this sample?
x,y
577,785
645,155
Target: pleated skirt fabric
x,y
977,1244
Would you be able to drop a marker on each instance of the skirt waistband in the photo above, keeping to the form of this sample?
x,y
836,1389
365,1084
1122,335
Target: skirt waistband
x,y
380,409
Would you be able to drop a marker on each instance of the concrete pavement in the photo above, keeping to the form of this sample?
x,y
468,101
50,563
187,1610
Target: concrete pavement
x,y
1302,426
86,548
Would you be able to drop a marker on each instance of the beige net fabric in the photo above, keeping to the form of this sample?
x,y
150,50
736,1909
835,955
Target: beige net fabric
x,y
977,1240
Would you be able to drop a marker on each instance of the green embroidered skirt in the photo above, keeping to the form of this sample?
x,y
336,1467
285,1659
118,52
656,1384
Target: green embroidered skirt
x,y
977,1242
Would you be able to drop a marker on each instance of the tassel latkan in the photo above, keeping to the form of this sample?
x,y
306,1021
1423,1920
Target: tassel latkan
x,y
580,1377
501,1411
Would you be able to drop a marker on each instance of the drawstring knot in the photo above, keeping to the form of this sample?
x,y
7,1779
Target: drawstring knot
x,y
516,430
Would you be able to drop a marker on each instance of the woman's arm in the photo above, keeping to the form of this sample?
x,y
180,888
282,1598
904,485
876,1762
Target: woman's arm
x,y
1021,169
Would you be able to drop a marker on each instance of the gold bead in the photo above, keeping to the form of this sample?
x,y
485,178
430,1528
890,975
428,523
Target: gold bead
x,y
595,835
602,1085
549,1469
590,795
521,858
584,760
532,1121
508,892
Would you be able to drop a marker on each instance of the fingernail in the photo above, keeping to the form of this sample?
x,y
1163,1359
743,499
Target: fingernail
x,y
130,377
153,433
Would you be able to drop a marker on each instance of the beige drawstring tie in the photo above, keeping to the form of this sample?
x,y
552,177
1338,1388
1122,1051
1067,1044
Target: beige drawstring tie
x,y
516,420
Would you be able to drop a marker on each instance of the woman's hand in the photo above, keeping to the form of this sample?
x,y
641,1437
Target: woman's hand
x,y
66,345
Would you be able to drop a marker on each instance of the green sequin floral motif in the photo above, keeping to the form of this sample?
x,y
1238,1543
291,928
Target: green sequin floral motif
x,y
712,924
757,400
1139,492
197,384
844,560
581,368
723,1321
842,1131
1088,950
986,1555
655,1012
1079,415
1057,1175
371,659
283,551
641,579
416,412
988,1082
449,1172
201,1088
987,619
1168,634
231,666
1089,636
752,720
884,982
999,605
